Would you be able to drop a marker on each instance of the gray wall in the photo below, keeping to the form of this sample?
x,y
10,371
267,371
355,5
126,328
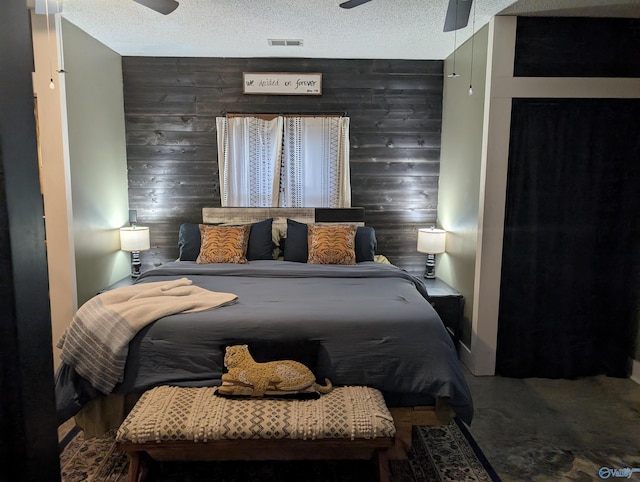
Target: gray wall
x,y
97,160
460,168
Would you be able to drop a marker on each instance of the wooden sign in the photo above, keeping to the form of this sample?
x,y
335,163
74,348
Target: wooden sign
x,y
282,83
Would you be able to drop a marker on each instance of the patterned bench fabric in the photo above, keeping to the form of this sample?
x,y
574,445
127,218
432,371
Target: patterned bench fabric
x,y
197,414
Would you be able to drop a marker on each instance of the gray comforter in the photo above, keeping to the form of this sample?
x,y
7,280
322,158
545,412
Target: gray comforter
x,y
368,324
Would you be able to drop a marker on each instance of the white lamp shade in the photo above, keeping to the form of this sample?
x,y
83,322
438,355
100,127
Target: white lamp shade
x,y
134,238
431,240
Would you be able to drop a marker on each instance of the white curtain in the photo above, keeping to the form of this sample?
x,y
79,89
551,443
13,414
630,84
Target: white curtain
x,y
315,164
249,160
288,161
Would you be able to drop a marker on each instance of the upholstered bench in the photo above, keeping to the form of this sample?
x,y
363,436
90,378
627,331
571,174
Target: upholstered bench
x,y
194,424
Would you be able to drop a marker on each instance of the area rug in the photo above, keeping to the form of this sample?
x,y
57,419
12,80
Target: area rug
x,y
439,454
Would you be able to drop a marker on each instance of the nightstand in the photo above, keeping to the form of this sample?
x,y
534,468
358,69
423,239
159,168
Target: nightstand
x,y
448,303
126,281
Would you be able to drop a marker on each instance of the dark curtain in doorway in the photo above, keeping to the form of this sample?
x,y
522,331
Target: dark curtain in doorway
x,y
568,298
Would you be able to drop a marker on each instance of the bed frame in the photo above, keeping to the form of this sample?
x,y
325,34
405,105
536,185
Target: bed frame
x,y
280,215
404,417
117,405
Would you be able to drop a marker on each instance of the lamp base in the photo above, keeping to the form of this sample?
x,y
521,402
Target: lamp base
x,y
135,264
430,270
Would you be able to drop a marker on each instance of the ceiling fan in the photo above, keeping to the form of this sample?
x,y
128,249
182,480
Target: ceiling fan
x,y
457,12
164,7
353,3
457,15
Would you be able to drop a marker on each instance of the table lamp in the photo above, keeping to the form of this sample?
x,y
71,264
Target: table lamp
x,y
431,241
134,239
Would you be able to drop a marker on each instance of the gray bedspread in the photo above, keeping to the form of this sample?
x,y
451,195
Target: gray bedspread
x,y
370,324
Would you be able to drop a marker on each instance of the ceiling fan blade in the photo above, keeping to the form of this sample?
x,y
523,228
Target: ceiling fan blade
x,y
353,3
457,15
164,7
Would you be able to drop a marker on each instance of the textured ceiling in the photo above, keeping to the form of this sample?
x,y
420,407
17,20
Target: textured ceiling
x,y
405,29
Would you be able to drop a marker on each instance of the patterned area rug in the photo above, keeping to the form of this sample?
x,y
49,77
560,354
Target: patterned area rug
x,y
439,454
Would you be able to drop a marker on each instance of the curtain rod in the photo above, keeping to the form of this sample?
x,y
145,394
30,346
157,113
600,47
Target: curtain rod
x,y
288,114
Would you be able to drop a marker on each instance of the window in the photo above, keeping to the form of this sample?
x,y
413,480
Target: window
x,y
292,161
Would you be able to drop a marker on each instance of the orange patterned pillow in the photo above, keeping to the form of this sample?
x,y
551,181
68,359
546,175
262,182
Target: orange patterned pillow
x,y
331,244
223,244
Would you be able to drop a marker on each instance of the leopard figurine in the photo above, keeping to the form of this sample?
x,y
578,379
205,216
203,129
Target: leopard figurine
x,y
246,376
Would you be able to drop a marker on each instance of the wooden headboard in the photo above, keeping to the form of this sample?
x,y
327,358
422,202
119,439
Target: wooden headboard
x,y
280,215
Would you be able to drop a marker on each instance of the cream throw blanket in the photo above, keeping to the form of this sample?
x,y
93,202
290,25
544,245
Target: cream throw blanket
x,y
96,343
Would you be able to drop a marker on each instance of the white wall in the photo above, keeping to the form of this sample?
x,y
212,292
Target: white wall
x,y
84,174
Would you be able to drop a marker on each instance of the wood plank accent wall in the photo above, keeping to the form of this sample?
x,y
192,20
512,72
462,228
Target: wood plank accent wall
x,y
395,108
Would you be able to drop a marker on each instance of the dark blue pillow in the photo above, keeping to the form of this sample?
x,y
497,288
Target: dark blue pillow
x,y
296,247
260,244
189,241
365,244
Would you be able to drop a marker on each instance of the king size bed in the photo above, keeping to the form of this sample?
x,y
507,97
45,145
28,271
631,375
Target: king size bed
x,y
366,323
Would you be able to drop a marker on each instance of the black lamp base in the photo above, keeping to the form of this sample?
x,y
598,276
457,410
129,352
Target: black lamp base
x,y
430,271
135,264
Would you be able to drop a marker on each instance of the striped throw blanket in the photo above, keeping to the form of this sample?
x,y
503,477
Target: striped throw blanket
x,y
96,343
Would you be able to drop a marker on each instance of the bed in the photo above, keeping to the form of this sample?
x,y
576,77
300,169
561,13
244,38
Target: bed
x,y
367,323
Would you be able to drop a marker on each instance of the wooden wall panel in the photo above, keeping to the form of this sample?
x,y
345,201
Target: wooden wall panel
x,y
395,108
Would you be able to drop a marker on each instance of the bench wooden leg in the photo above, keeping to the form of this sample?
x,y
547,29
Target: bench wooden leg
x,y
402,419
134,466
381,458
405,418
138,467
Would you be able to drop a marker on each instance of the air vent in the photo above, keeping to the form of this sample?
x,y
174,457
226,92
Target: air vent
x,y
285,42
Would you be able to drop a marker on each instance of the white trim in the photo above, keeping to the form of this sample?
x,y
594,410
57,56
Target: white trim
x,y
50,7
466,356
53,142
565,87
493,187
67,166
635,371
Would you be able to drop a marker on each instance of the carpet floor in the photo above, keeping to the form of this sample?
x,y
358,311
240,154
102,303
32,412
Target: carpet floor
x,y
439,454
